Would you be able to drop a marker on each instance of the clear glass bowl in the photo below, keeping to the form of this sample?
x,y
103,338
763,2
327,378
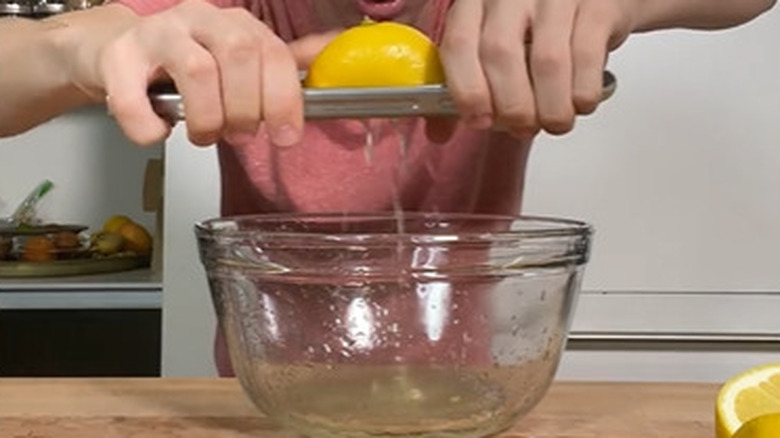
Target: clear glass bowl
x,y
385,325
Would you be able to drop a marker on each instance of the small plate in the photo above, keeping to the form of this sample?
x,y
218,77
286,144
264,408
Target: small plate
x,y
34,230
62,268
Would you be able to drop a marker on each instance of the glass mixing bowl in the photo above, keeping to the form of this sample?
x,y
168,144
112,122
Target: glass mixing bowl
x,y
388,325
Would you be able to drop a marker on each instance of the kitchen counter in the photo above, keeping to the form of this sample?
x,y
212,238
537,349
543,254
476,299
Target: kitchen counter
x,y
135,289
69,326
132,279
216,408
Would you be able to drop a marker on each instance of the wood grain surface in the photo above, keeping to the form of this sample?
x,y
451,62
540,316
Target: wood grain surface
x,y
194,408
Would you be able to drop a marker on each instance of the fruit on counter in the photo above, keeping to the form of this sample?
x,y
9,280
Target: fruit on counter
x,y
106,243
121,235
375,54
113,223
745,397
136,238
68,244
38,249
765,426
66,240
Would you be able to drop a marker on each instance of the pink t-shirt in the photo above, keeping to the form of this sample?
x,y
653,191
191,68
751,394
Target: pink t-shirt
x,y
475,171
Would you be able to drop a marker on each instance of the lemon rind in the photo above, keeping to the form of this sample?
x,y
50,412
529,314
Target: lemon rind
x,y
727,396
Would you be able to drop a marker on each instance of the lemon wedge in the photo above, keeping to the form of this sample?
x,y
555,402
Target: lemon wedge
x,y
765,426
748,396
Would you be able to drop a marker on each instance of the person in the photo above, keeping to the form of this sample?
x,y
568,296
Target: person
x,y
530,65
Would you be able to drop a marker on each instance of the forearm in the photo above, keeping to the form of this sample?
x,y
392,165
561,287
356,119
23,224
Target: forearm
x,y
698,14
42,75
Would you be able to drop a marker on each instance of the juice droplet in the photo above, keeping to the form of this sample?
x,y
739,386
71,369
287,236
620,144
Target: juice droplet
x,y
402,135
368,148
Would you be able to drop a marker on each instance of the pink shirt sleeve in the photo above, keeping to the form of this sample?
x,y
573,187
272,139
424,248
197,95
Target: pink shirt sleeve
x,y
149,7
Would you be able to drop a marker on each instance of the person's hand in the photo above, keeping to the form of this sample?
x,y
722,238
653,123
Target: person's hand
x,y
232,71
531,64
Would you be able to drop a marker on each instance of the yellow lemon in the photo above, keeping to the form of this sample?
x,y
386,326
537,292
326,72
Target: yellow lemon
x,y
136,238
749,395
114,222
765,426
375,54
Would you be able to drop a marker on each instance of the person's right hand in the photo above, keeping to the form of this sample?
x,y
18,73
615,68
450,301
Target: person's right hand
x,y
532,65
232,71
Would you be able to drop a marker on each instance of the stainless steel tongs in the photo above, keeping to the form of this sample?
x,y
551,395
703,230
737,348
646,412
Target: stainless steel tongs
x,y
356,103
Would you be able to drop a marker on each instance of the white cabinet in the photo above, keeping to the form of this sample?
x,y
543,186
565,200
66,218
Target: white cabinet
x,y
680,175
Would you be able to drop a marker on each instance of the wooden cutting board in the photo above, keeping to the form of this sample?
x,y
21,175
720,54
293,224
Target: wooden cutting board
x,y
216,408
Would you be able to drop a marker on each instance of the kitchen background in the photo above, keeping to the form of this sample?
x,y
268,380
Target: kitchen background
x,y
679,172
85,325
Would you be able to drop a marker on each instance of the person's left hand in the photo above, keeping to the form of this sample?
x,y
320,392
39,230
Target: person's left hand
x,y
531,64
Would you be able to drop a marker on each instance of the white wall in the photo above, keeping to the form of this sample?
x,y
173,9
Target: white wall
x,y
191,194
95,170
679,172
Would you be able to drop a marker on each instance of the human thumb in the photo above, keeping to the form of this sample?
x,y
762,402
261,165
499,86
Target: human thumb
x,y
305,49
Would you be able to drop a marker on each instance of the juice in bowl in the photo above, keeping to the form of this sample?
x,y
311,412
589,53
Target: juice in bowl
x,y
380,325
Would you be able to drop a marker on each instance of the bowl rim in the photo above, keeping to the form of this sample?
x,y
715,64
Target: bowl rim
x,y
543,226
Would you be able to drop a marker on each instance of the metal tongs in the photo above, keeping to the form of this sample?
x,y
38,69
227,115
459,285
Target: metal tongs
x,y
356,103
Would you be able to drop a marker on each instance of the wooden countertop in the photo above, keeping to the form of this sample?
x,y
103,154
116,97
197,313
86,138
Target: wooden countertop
x,y
216,408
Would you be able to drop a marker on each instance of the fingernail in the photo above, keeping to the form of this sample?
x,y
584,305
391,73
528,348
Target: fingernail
x,y
285,135
480,121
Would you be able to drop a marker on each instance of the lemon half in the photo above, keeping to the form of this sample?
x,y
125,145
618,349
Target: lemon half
x,y
765,426
747,396
375,54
